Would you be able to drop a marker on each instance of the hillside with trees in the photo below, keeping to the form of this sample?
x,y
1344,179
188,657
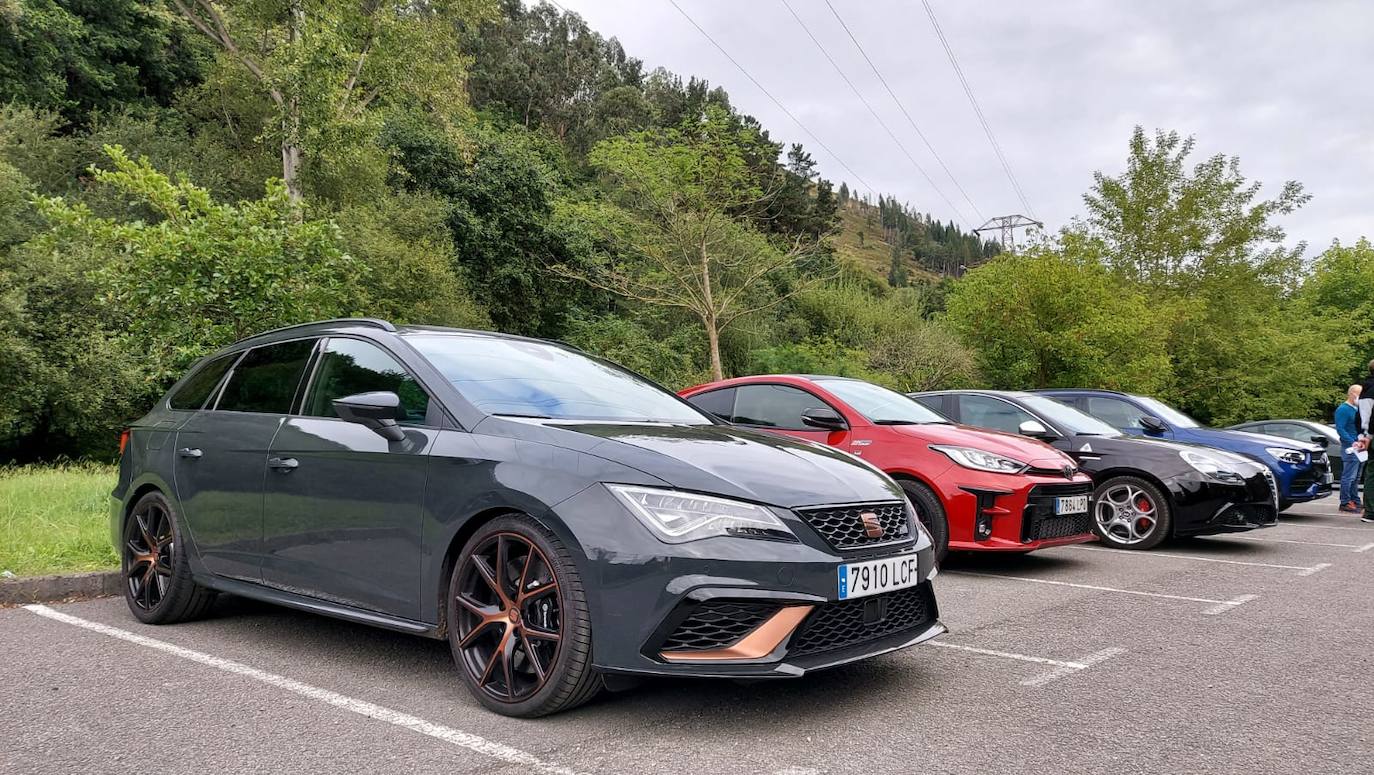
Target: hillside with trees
x,y
175,175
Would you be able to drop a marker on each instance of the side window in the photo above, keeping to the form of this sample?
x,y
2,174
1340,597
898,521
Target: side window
x,y
993,413
933,403
1114,412
774,406
1289,431
720,403
267,378
196,389
349,366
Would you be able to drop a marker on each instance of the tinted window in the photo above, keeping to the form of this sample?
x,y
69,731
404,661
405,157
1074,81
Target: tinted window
x,y
1115,412
1068,418
1167,413
774,406
525,378
266,379
934,403
991,413
721,403
197,388
349,366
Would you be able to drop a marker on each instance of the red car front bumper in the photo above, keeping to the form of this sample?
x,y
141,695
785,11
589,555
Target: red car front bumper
x,y
1004,513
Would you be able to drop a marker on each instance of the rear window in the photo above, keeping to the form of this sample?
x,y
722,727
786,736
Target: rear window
x,y
197,388
267,378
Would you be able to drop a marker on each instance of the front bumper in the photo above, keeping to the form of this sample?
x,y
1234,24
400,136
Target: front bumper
x,y
1299,484
1018,509
1204,506
640,592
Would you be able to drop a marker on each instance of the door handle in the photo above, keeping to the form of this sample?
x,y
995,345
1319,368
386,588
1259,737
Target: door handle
x,y
190,452
283,464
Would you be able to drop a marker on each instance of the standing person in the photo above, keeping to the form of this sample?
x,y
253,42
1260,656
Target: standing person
x,y
1366,415
1348,428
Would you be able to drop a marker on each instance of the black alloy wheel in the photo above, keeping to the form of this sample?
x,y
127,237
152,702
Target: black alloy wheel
x,y
157,575
518,621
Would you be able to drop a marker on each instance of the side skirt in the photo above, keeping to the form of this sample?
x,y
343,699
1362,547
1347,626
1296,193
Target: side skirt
x,y
317,606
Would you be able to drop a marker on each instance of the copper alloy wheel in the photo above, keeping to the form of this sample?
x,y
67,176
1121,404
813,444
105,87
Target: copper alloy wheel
x,y
509,617
148,547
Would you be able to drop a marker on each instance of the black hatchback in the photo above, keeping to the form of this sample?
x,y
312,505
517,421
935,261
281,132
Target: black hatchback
x,y
558,519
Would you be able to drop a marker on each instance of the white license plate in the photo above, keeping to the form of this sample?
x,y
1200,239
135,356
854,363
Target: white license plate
x,y
1071,504
860,579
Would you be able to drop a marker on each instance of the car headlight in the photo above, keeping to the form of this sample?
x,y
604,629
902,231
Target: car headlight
x,y
977,459
1287,455
678,517
1214,466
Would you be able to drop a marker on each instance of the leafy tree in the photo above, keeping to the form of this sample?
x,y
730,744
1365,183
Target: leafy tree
x,y
78,57
1048,318
330,67
203,274
682,248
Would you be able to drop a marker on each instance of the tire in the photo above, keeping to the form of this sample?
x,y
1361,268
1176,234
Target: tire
x,y
534,676
156,569
1122,507
1285,504
931,513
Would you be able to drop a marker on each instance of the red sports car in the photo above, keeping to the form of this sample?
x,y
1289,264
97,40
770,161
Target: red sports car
x,y
974,490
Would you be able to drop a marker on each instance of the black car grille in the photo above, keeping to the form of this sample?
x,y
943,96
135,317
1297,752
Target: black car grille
x,y
717,625
843,526
851,622
1311,474
1039,520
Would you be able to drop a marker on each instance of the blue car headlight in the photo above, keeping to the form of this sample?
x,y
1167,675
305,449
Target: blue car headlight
x,y
1288,455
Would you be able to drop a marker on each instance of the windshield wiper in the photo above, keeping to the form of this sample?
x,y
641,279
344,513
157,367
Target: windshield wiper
x,y
897,422
519,414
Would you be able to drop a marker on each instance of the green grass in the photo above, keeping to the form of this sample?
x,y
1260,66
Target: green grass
x,y
54,519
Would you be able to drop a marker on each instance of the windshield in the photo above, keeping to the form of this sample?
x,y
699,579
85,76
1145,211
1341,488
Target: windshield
x,y
1067,418
1167,413
878,404
534,379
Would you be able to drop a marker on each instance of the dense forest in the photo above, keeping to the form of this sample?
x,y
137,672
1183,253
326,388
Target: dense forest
x,y
175,175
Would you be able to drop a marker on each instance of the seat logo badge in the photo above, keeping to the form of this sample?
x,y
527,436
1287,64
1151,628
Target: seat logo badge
x,y
872,527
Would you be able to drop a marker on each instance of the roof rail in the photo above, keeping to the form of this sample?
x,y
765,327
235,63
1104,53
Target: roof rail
x,y
371,322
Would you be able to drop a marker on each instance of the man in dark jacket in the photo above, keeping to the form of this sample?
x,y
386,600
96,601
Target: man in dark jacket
x,y
1366,417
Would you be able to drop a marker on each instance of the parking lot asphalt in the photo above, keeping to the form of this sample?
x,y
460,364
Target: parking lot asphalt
x,y
1239,654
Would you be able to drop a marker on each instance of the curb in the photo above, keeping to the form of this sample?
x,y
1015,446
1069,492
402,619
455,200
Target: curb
x,y
51,589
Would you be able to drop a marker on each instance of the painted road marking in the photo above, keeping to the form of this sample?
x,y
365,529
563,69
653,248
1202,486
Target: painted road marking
x,y
1061,667
1218,606
456,737
1309,526
1353,547
1304,570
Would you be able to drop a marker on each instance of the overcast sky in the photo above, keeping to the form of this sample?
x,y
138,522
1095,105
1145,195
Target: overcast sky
x,y
1288,86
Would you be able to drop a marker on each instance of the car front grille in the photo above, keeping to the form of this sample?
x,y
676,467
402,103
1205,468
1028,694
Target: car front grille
x,y
843,526
852,622
716,625
1039,521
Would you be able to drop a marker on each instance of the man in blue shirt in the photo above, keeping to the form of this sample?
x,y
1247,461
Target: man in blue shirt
x,y
1348,428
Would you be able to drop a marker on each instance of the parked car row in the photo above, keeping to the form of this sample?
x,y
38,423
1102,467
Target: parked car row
x,y
567,525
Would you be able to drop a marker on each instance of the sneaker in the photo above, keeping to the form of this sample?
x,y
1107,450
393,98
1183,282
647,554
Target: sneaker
x,y
1367,518
1350,508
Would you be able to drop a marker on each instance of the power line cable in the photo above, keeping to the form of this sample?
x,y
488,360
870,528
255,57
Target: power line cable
x,y
879,119
977,110
775,100
900,106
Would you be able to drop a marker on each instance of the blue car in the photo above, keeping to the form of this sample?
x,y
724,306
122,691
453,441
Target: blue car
x,y
1300,469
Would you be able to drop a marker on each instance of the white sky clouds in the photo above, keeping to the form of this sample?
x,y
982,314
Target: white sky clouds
x,y
1287,86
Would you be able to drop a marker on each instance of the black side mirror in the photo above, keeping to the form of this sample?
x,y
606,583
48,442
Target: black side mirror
x,y
1321,441
1153,424
823,417
1035,429
378,411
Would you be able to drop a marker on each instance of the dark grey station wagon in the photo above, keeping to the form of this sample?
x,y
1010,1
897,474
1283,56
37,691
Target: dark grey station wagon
x,y
561,521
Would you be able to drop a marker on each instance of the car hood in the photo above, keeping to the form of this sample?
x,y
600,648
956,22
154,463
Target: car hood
x,y
723,460
1035,453
1162,455
1243,441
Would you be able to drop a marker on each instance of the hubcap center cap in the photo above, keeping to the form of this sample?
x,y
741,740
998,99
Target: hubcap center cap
x,y
514,615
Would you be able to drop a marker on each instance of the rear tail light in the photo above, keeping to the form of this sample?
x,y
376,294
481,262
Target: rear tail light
x,y
123,440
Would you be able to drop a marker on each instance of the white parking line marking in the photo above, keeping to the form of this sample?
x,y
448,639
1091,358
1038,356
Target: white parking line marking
x,y
456,737
1218,606
1061,667
1221,608
1306,526
1355,547
1084,664
1306,570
